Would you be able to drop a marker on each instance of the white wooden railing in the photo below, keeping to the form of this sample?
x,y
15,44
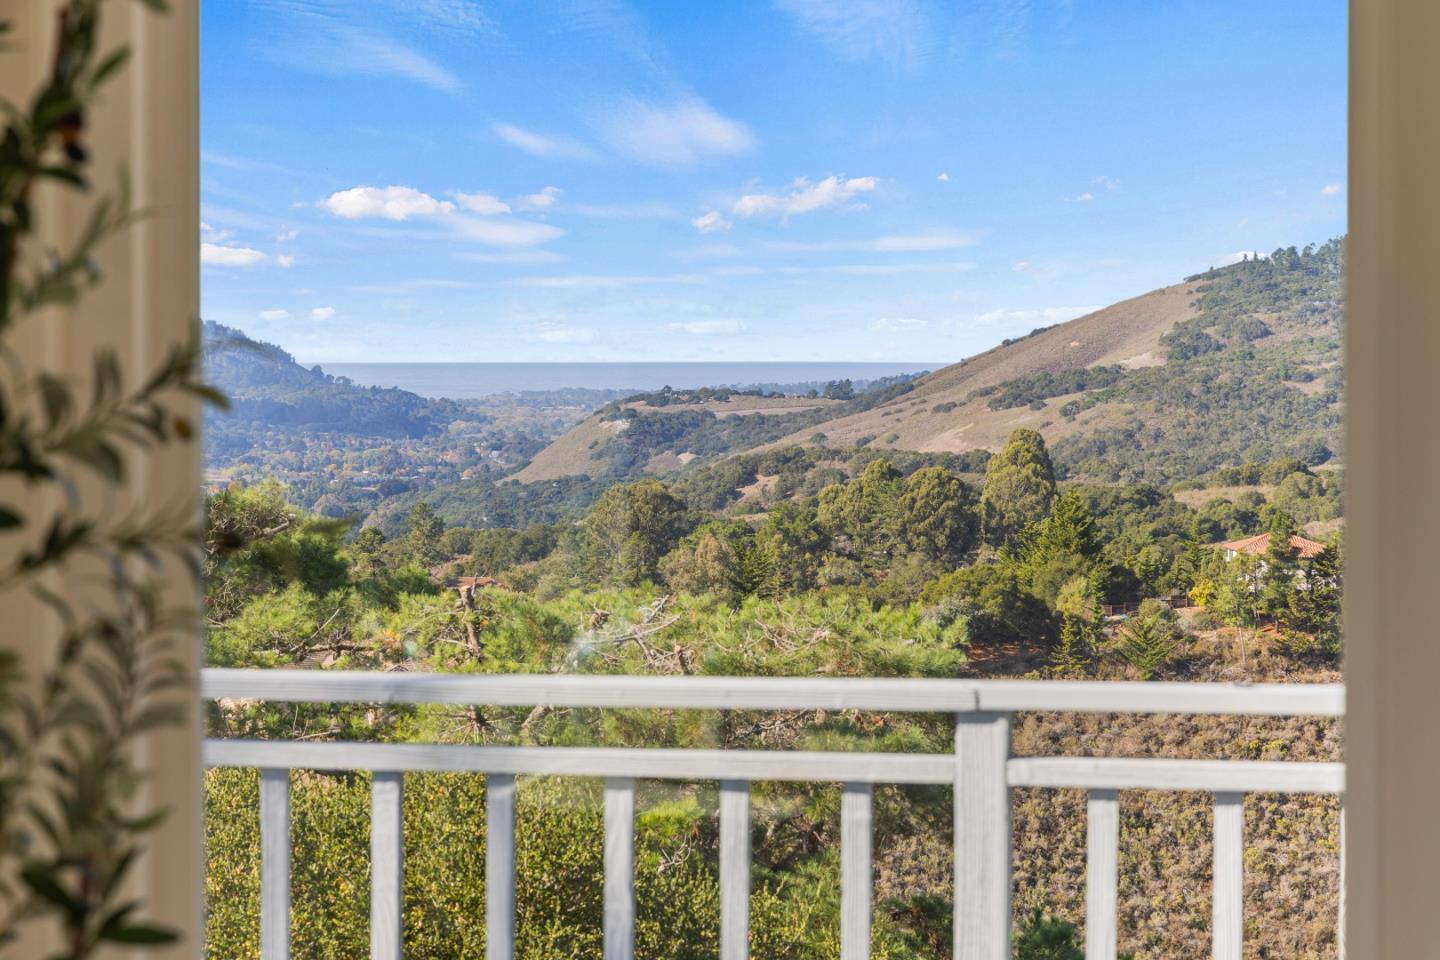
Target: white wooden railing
x,y
981,770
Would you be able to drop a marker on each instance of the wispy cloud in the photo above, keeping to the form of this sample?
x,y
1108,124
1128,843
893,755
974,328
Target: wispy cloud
x,y
943,177
602,281
706,328
505,233
898,324
322,313
276,314
899,31
376,38
1331,189
545,198
541,144
803,197
680,133
1043,317
711,222
553,331
880,269
919,242
519,257
482,203
221,255
284,261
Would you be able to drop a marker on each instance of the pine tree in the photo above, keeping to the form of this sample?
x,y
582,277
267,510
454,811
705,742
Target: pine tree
x,y
1147,644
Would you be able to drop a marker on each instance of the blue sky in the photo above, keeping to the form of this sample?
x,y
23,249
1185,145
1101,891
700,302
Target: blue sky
x,y
797,179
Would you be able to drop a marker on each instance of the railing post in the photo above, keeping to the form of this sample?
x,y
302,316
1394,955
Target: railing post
x,y
387,867
1229,883
857,882
982,837
619,868
1340,922
499,867
274,864
1102,875
734,870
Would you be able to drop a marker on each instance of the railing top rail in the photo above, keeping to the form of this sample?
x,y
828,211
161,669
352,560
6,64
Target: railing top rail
x,y
1089,773
776,693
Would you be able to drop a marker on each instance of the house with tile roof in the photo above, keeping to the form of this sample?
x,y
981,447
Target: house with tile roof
x,y
1257,546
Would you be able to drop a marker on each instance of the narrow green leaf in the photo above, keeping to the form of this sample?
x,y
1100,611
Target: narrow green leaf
x,y
140,933
42,880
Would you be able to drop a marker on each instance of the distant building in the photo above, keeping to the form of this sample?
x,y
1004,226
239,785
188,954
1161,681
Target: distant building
x,y
1257,546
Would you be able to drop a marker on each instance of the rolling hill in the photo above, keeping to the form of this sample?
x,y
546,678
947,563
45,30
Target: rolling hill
x,y
1238,364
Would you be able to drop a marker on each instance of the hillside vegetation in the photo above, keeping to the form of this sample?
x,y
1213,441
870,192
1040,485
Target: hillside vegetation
x,y
1238,364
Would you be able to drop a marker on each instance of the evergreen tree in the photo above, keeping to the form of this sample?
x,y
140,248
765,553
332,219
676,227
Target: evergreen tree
x,y
1019,487
423,532
1280,570
937,515
1147,644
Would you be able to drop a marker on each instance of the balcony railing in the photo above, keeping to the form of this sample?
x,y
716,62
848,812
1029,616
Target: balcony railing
x,y
981,770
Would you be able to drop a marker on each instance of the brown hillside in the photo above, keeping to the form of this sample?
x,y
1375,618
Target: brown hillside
x,y
1127,333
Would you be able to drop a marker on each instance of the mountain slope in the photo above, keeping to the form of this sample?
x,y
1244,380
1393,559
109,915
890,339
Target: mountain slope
x,y
1237,364
1127,334
269,390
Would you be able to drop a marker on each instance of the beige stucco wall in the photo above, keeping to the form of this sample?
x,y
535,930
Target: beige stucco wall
x,y
148,123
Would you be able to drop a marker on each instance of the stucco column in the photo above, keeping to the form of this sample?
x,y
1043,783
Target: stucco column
x,y
1392,458
146,123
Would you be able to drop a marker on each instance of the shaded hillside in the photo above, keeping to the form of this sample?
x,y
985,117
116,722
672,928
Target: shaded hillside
x,y
270,391
657,433
1237,364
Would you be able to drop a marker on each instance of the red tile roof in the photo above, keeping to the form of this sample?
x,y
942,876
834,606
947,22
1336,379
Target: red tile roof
x,y
1258,545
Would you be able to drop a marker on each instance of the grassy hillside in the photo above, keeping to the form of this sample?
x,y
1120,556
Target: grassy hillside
x,y
1237,364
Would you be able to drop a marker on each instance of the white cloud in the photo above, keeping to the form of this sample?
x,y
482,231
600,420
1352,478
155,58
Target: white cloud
x,y
898,324
391,203
322,313
1085,197
711,222
545,198
1110,184
284,261
506,233
1330,189
1236,257
678,134
219,255
944,177
706,328
552,331
539,144
804,197
1043,317
1022,266
284,236
895,30
276,314
482,203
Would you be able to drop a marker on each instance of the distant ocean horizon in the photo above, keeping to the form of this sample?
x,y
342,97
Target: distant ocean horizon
x,y
461,381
